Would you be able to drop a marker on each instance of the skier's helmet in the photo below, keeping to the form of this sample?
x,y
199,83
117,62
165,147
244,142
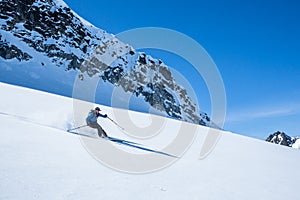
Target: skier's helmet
x,y
97,108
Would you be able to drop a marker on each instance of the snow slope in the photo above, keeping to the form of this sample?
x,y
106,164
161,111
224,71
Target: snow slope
x,y
296,145
39,160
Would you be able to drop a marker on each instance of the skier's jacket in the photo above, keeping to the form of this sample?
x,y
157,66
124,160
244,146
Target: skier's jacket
x,y
92,117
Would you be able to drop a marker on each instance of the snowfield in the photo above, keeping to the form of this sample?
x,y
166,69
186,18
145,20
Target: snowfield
x,y
40,160
296,145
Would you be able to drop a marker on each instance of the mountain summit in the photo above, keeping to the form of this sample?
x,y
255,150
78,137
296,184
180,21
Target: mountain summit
x,y
45,45
284,139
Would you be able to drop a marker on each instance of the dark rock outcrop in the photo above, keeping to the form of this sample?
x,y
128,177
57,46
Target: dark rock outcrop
x,y
281,138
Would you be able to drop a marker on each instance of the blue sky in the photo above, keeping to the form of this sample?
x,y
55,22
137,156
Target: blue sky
x,y
255,45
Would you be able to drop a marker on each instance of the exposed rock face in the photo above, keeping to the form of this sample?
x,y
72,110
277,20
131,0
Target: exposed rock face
x,y
140,74
281,138
48,28
51,28
9,51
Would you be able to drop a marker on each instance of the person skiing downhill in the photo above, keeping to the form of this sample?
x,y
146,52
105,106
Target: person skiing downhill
x,y
91,121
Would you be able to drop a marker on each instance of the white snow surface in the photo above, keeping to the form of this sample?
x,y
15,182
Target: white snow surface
x,y
40,160
296,145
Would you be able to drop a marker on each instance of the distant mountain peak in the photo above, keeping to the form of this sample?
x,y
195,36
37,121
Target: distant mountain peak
x,y
282,139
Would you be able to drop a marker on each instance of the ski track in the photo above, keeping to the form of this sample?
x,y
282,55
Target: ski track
x,y
29,120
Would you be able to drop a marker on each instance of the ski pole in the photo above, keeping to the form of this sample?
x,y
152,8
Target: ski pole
x,y
72,129
115,123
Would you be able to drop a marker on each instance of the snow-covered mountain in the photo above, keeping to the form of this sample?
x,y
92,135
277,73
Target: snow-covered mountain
x,y
40,160
284,139
46,46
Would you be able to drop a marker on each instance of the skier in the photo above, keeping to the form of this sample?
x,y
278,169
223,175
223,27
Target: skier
x,y
91,121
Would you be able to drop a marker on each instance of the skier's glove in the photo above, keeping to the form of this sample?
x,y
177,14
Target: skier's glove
x,y
105,115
